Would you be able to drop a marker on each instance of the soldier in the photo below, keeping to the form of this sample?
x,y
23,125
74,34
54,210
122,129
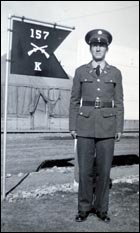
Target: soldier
x,y
96,118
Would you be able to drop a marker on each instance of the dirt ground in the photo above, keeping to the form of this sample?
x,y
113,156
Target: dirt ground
x,y
46,201
55,212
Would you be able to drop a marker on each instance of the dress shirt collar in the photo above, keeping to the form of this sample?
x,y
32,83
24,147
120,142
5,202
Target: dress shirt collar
x,y
95,64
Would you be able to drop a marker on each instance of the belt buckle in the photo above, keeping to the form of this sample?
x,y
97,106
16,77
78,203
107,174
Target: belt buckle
x,y
97,103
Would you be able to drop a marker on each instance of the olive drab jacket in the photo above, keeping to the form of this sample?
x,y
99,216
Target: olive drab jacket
x,y
89,121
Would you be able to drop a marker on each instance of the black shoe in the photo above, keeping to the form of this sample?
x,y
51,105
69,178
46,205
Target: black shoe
x,y
103,216
82,216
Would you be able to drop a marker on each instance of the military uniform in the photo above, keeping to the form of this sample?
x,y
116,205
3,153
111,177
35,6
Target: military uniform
x,y
87,86
96,114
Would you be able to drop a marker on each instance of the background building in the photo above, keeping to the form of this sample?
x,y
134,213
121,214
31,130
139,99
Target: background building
x,y
35,103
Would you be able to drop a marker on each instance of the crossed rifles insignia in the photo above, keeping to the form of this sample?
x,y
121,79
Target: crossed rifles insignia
x,y
41,49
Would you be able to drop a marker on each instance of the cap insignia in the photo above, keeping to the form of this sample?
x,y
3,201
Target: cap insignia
x,y
100,32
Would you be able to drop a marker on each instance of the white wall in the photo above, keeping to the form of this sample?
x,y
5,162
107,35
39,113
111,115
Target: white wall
x,y
127,60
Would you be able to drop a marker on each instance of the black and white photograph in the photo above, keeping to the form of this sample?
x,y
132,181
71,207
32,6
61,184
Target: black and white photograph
x,y
69,116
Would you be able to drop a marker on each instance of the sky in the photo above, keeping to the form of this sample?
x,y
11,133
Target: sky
x,y
120,18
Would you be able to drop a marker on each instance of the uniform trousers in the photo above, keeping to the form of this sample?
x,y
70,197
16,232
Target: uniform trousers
x,y
86,150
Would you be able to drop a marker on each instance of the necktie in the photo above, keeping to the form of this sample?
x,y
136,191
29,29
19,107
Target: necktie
x,y
97,70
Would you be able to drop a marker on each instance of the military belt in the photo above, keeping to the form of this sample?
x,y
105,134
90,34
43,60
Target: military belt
x,y
98,104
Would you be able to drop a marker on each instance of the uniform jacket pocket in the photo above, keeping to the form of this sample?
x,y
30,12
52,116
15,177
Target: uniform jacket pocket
x,y
110,112
86,79
84,119
110,81
84,112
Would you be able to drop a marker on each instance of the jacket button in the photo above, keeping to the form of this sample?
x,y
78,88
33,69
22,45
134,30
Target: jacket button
x,y
81,113
85,80
98,80
98,89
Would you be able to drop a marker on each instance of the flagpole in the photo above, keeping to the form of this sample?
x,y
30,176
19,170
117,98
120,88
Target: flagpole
x,y
5,108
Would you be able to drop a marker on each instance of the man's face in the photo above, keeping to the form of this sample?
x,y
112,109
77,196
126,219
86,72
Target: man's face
x,y
98,51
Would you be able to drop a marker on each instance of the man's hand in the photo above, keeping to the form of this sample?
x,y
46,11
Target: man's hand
x,y
118,136
73,134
